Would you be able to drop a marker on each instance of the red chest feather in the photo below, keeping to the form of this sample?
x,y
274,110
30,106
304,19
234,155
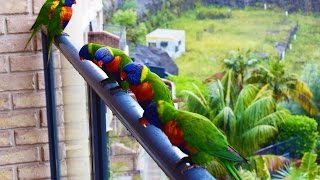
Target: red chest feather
x,y
66,13
143,92
114,65
174,133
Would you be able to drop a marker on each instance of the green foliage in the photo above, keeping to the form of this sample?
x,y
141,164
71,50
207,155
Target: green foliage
x,y
126,18
302,127
129,4
185,83
217,13
308,170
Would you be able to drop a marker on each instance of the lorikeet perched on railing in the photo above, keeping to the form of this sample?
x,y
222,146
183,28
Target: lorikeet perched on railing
x,y
113,60
87,51
146,85
193,134
56,15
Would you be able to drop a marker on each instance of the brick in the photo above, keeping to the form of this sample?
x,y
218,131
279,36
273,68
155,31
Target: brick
x,y
13,7
4,65
31,136
35,62
6,173
37,4
18,155
35,171
5,103
14,43
2,26
14,119
18,81
35,136
39,171
60,116
5,138
20,24
45,152
57,79
33,99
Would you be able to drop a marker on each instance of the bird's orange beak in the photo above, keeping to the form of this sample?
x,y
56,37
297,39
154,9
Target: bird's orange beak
x,y
123,75
143,121
81,58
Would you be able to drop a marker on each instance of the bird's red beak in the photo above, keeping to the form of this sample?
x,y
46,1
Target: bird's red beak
x,y
123,75
81,58
74,2
100,64
143,121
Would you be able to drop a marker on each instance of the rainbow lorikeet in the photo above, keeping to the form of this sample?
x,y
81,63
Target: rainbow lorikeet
x,y
146,85
113,60
88,51
56,15
193,134
43,18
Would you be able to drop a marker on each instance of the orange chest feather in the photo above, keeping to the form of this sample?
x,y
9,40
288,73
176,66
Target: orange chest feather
x,y
66,13
114,65
143,92
174,132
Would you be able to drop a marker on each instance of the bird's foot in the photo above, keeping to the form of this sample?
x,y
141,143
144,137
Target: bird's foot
x,y
115,90
106,81
188,160
64,34
190,167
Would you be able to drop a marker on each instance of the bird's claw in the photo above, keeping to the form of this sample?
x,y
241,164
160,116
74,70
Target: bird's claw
x,y
64,34
115,90
190,167
106,81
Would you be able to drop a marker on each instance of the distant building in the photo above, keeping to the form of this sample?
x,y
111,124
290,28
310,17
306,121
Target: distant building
x,y
170,40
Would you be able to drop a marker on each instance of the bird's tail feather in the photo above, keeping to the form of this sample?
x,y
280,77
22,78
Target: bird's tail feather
x,y
232,170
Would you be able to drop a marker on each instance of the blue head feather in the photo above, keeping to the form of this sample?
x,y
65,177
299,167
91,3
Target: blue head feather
x,y
84,52
133,71
151,114
69,3
104,55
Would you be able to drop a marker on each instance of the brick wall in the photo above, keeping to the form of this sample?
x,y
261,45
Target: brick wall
x,y
24,150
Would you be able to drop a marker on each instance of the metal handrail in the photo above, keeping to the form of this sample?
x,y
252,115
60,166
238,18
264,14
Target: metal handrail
x,y
128,111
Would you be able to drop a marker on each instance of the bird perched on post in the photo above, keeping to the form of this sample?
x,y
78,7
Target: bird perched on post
x,y
146,86
88,51
113,60
56,14
194,135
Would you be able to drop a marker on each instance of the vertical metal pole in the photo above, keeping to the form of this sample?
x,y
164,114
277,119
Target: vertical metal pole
x,y
99,138
51,110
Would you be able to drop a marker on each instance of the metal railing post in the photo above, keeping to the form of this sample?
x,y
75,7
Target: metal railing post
x,y
51,110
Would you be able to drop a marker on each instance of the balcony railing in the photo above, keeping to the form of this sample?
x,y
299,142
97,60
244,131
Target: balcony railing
x,y
128,111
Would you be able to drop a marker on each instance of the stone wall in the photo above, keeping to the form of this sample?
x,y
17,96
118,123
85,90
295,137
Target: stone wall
x,y
24,150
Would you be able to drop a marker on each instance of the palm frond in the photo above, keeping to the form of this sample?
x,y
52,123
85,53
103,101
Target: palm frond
x,y
261,134
225,120
274,118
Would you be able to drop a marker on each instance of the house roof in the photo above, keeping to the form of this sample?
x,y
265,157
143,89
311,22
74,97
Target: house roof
x,y
166,34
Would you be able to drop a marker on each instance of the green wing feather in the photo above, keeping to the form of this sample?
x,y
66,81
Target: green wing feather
x,y
54,27
42,19
161,91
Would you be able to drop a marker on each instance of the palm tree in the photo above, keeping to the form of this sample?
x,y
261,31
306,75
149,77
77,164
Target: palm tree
x,y
284,85
252,121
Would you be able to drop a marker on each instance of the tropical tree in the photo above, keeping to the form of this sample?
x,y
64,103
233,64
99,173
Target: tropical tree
x,y
252,121
284,85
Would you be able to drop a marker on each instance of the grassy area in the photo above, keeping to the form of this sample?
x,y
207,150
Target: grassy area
x,y
209,41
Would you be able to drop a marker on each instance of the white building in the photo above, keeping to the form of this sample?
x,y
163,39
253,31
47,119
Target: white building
x,y
170,40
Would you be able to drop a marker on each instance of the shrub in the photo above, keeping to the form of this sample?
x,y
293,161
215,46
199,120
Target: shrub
x,y
302,127
219,13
